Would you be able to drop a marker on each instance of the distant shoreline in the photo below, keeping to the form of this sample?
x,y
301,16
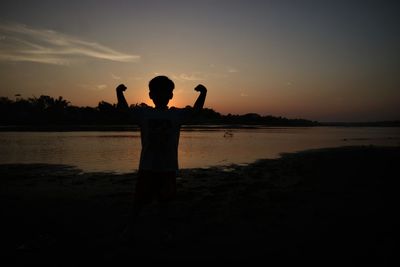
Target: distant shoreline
x,y
205,127
46,113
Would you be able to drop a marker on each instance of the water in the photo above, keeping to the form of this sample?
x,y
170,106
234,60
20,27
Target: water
x,y
120,151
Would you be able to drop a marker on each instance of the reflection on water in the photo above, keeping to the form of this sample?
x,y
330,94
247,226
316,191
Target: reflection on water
x,y
120,151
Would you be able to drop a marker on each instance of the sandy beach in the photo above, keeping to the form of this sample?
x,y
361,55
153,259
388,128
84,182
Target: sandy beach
x,y
326,205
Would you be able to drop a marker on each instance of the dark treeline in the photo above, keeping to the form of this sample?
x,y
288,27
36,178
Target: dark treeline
x,y
46,110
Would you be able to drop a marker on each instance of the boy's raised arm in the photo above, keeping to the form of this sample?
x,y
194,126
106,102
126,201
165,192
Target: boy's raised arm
x,y
122,104
198,105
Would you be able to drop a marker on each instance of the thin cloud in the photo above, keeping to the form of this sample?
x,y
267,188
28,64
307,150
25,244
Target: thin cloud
x,y
115,77
188,77
92,87
101,86
22,43
232,70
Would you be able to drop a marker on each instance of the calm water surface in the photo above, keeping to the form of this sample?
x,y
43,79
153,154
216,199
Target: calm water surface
x,y
120,151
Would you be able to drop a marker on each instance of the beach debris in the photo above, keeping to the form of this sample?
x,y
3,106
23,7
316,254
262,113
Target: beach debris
x,y
228,134
228,169
41,241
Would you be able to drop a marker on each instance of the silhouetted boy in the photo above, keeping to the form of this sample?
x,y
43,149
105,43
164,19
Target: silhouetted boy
x,y
160,128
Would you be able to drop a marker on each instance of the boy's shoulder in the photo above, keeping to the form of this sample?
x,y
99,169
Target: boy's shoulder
x,y
180,114
141,109
175,109
187,108
152,109
182,111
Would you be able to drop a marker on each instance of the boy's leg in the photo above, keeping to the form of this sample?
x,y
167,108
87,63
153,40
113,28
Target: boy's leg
x,y
166,197
133,216
167,227
142,196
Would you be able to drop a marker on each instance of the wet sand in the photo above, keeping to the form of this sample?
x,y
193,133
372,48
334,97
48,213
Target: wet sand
x,y
334,205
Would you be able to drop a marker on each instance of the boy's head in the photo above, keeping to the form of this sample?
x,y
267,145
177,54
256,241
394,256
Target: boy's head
x,y
161,88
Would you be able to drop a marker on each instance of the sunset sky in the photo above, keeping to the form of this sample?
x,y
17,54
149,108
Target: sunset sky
x,y
319,60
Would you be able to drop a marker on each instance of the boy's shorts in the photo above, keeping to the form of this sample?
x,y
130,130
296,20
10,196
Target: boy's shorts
x,y
152,185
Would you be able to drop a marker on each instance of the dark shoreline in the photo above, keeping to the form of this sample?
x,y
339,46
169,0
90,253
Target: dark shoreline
x,y
324,205
201,127
132,128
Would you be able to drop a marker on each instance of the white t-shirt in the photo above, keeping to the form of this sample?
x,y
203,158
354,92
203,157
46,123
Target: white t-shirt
x,y
159,130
